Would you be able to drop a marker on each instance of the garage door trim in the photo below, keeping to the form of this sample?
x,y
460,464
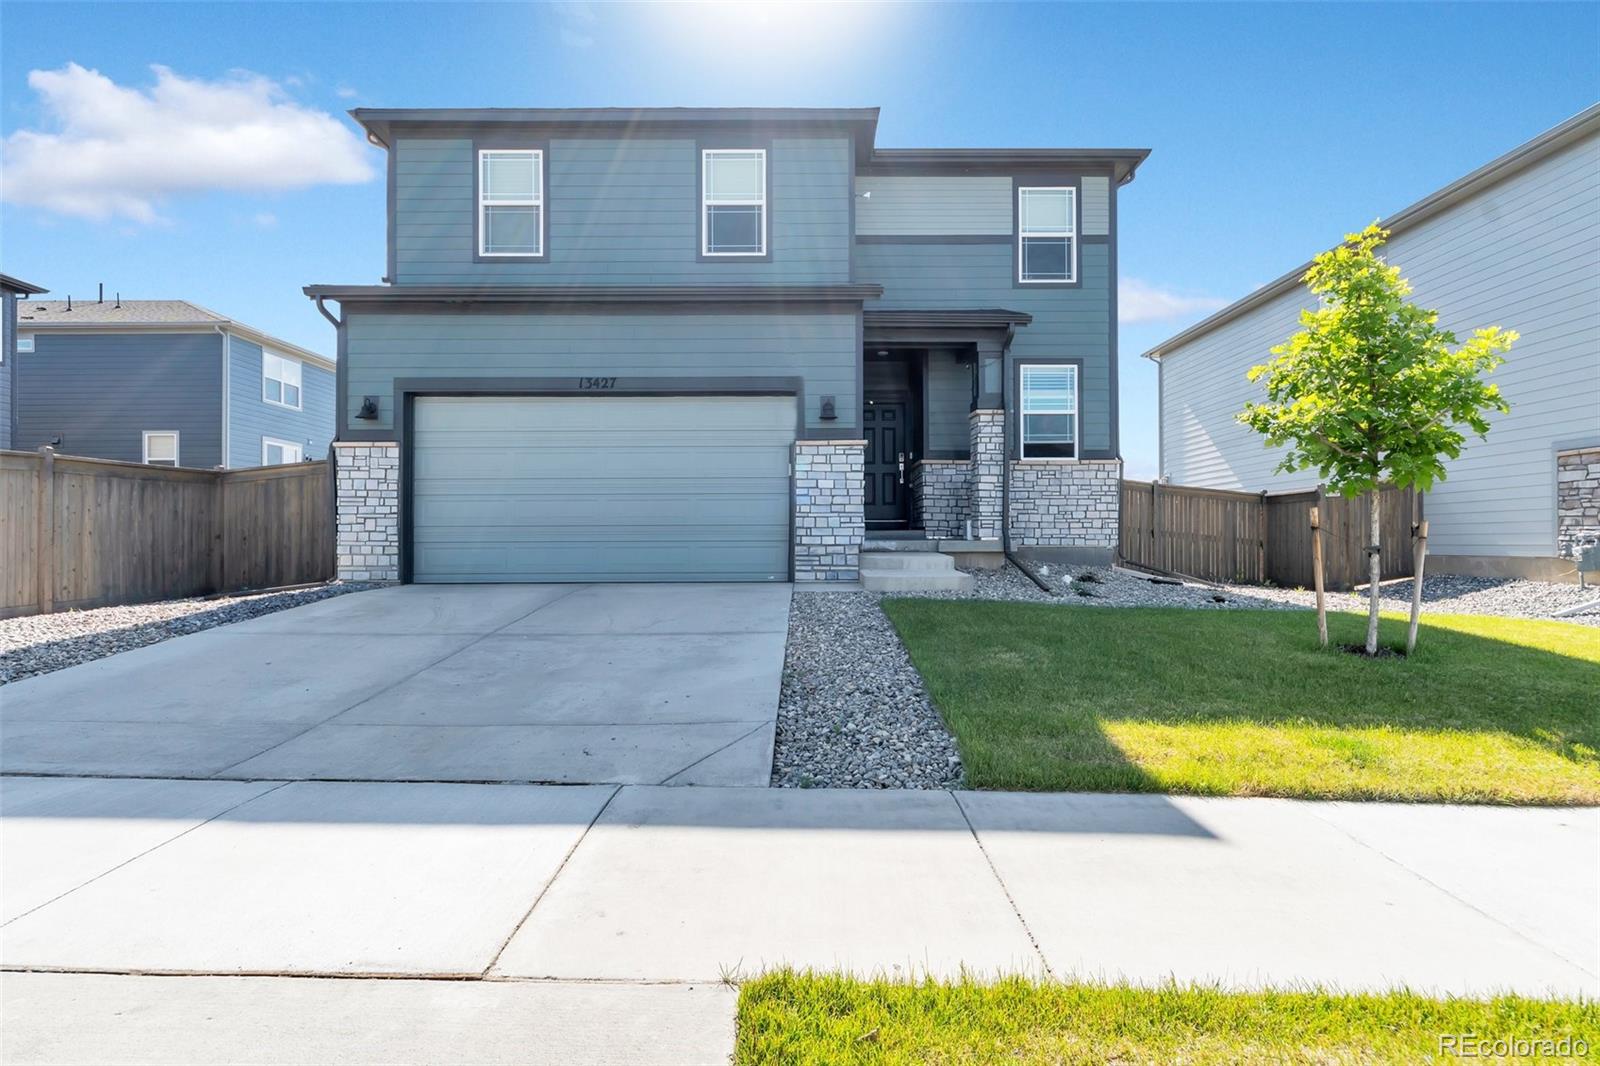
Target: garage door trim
x,y
406,390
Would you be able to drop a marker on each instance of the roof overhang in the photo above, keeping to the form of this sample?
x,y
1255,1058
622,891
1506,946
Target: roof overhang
x,y
861,122
404,295
20,287
254,336
1520,158
1120,162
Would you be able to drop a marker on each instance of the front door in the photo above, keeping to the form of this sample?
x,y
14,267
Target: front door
x,y
884,426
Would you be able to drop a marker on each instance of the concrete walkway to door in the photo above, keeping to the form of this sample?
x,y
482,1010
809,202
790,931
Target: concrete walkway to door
x,y
627,684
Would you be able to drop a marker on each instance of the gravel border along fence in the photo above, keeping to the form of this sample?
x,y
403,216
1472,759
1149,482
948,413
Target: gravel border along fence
x,y
40,643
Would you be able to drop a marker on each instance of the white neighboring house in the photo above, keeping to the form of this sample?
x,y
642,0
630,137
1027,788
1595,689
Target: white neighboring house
x,y
1516,244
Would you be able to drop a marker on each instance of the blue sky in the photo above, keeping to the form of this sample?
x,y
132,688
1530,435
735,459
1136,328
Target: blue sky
x,y
1275,128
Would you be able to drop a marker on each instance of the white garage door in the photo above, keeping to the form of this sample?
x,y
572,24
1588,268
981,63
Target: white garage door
x,y
601,488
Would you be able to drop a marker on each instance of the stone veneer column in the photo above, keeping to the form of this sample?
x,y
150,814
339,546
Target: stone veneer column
x,y
368,503
829,522
1577,500
984,488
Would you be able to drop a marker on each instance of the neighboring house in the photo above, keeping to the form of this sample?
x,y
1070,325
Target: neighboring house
x,y
11,290
1515,243
722,344
168,383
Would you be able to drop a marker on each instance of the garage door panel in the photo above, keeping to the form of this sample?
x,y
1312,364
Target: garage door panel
x,y
601,488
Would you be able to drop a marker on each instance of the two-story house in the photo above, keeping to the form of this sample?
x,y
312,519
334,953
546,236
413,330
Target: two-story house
x,y
11,290
165,382
722,344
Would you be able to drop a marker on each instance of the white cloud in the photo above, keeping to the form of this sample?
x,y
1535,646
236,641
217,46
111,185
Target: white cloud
x,y
1139,301
345,92
266,220
121,151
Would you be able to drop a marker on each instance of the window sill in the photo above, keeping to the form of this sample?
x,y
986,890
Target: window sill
x,y
280,403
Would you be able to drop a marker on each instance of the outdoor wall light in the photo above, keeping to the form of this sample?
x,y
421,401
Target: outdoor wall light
x,y
369,408
829,414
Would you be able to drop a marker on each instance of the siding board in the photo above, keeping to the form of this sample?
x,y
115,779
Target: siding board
x,y
250,417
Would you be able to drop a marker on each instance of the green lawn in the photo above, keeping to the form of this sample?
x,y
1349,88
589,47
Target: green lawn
x,y
1244,703
793,1019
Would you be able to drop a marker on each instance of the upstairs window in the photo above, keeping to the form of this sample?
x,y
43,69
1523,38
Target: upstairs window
x,y
160,448
24,342
733,182
1049,411
1047,231
511,202
280,380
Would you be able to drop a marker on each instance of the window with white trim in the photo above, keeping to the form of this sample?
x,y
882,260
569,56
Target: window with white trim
x,y
511,202
161,447
1047,235
1049,411
733,211
24,342
280,380
275,452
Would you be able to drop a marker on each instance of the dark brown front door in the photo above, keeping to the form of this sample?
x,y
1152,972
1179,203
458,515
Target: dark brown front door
x,y
884,425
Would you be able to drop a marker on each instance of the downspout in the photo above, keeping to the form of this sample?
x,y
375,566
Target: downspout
x,y
227,398
1006,402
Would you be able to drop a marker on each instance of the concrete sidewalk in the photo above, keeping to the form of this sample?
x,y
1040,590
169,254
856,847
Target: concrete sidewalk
x,y
493,888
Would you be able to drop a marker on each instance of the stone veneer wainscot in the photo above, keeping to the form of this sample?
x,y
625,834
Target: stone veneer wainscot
x,y
939,496
368,502
1065,504
1577,500
829,520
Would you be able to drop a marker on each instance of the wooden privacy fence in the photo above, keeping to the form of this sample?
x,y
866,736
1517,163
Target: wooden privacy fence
x,y
78,533
1256,538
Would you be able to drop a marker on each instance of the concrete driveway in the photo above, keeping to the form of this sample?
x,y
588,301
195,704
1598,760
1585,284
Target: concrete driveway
x,y
653,684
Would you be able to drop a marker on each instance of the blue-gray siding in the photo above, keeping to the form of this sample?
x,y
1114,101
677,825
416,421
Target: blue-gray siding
x,y
622,211
100,392
1072,323
819,347
250,417
949,404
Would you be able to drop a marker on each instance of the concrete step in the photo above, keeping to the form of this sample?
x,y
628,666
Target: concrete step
x,y
876,577
916,580
921,562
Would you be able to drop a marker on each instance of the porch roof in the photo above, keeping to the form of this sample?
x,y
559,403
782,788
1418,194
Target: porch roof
x,y
945,318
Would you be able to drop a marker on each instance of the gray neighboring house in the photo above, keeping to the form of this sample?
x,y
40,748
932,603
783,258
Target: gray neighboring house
x,y
722,344
165,382
1515,243
11,290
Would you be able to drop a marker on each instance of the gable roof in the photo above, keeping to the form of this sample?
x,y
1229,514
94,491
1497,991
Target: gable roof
x,y
1520,158
145,316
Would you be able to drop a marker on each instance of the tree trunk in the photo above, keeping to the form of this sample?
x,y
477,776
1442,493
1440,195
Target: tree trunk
x,y
1374,571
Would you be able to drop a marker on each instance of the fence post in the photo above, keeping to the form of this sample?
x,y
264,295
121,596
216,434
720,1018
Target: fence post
x,y
1158,553
219,534
1316,571
1261,537
45,555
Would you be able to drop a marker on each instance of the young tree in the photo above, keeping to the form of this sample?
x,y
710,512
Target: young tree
x,y
1371,390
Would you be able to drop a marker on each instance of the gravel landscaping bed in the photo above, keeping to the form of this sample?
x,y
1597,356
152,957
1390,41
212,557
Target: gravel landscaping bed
x,y
40,643
852,712
1093,586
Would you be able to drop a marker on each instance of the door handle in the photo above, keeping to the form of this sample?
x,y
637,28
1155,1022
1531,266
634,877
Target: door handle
x,y
900,461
